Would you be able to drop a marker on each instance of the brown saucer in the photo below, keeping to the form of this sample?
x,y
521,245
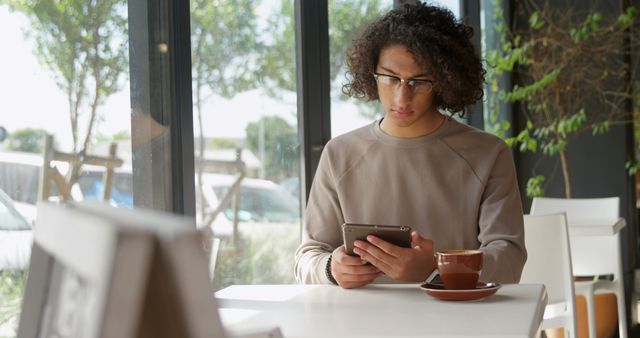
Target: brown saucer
x,y
482,290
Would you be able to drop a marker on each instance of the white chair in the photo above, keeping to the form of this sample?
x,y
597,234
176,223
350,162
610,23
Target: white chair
x,y
549,263
592,255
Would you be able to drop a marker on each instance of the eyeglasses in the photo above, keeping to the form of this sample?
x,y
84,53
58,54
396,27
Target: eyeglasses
x,y
417,86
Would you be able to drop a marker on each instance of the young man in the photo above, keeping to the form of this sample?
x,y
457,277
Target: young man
x,y
453,184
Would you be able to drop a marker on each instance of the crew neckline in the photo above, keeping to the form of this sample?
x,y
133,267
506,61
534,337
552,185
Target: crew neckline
x,y
409,142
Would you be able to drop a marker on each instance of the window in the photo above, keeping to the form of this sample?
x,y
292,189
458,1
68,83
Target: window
x,y
346,20
245,137
64,74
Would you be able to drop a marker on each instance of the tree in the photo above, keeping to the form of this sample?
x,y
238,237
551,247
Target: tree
x,y
573,78
280,144
84,44
346,19
29,140
223,46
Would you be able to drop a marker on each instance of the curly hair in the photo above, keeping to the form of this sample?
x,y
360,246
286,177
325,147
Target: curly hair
x,y
439,43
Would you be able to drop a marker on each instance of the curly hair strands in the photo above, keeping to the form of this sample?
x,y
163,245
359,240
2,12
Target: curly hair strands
x,y
439,43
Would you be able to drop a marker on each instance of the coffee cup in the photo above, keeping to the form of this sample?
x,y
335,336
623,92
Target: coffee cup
x,y
459,269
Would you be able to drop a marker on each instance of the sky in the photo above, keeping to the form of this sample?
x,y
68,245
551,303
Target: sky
x,y
29,97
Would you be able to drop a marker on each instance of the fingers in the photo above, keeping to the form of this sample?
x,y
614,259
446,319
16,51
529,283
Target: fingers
x,y
403,264
385,246
360,277
419,241
358,270
374,256
340,256
351,272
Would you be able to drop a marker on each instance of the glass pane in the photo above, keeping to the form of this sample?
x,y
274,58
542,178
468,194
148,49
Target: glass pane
x,y
346,19
453,5
64,75
246,142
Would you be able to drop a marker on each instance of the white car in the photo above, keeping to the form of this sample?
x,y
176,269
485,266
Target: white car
x,y
16,236
264,206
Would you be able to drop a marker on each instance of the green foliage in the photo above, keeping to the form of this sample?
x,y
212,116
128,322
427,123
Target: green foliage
x,y
632,167
534,186
224,44
277,63
11,291
564,62
280,146
84,45
527,92
222,143
498,128
636,118
346,19
527,143
591,25
264,258
123,135
29,140
600,128
535,21
627,18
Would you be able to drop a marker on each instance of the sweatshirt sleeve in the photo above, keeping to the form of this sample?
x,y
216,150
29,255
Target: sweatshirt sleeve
x,y
501,228
321,232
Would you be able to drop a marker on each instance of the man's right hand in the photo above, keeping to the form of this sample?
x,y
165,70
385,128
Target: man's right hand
x,y
351,271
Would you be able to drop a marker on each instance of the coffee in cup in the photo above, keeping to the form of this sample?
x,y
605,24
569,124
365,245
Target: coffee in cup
x,y
459,269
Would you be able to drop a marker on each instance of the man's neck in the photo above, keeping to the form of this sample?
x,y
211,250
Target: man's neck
x,y
414,130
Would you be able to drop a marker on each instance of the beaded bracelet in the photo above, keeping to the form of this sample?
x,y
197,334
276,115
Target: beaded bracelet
x,y
328,273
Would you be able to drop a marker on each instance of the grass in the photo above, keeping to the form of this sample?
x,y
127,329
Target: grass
x,y
11,291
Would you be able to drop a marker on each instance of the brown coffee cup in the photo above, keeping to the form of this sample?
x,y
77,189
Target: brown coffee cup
x,y
459,269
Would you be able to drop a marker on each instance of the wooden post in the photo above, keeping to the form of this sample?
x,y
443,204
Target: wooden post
x,y
47,156
107,179
50,173
235,202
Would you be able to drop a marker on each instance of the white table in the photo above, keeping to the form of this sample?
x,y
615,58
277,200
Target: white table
x,y
595,227
380,311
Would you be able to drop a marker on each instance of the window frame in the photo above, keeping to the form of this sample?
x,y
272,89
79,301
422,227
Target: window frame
x,y
160,77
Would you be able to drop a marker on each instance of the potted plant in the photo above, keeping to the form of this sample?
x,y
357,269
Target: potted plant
x,y
573,70
573,73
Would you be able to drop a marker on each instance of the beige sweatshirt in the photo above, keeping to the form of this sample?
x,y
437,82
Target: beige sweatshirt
x,y
456,186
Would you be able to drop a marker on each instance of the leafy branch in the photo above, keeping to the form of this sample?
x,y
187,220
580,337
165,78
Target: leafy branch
x,y
571,66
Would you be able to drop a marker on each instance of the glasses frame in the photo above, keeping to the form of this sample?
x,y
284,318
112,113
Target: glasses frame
x,y
412,83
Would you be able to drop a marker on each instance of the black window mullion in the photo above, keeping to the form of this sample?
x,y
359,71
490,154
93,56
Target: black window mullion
x,y
182,148
313,89
162,128
470,13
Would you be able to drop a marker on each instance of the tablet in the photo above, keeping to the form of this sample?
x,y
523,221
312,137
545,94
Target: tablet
x,y
399,235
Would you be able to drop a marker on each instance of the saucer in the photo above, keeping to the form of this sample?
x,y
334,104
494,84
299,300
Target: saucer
x,y
482,290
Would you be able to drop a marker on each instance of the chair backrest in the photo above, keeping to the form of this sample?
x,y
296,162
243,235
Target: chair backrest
x,y
591,255
578,209
549,256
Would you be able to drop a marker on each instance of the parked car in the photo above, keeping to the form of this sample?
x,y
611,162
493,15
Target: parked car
x,y
92,186
263,205
20,178
16,236
292,185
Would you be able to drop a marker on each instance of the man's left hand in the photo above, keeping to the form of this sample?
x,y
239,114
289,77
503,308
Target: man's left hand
x,y
402,264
